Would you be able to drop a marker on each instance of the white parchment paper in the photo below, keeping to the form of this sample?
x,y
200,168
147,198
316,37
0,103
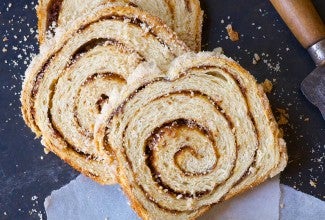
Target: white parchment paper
x,y
262,202
300,206
84,199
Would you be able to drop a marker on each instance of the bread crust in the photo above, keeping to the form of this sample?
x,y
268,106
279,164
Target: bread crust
x,y
41,12
192,12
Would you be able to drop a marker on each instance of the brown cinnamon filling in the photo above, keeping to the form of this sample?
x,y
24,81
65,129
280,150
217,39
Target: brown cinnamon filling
x,y
155,174
188,5
171,7
244,92
181,122
75,56
169,128
40,76
102,99
106,75
202,67
53,12
133,4
35,88
249,114
152,141
100,102
89,46
132,20
82,49
69,145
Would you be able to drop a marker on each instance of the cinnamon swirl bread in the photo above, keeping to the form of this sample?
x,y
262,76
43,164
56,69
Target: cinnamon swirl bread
x,y
192,139
68,83
183,16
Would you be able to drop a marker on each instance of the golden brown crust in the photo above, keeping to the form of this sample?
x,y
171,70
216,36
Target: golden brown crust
x,y
273,124
199,32
41,19
137,207
194,15
233,35
199,24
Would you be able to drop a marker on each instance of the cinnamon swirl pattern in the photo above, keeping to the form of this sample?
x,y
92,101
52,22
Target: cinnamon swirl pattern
x,y
194,138
69,82
183,16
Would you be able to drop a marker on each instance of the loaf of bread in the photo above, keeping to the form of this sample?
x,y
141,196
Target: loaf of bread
x,y
183,16
77,72
192,139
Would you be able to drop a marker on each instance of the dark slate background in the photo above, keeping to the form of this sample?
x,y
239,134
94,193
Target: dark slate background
x,y
28,175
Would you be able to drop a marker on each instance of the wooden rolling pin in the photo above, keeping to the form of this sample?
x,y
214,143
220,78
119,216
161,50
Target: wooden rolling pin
x,y
302,19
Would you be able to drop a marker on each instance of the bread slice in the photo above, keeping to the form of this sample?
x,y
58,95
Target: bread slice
x,y
67,84
183,16
192,139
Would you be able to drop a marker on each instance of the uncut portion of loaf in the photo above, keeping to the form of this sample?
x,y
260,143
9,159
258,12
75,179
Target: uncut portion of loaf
x,y
79,71
192,139
183,16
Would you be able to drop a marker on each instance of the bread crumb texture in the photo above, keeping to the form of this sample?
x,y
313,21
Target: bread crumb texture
x,y
283,116
233,35
267,86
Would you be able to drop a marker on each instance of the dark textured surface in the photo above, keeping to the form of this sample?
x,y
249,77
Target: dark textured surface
x,y
23,174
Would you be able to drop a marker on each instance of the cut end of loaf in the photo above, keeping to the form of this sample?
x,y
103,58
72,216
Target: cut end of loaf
x,y
200,136
60,106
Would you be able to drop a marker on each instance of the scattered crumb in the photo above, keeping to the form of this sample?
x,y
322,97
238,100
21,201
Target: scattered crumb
x,y
256,58
233,35
46,151
312,183
42,157
267,86
281,205
34,198
4,213
284,116
306,119
222,21
218,50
